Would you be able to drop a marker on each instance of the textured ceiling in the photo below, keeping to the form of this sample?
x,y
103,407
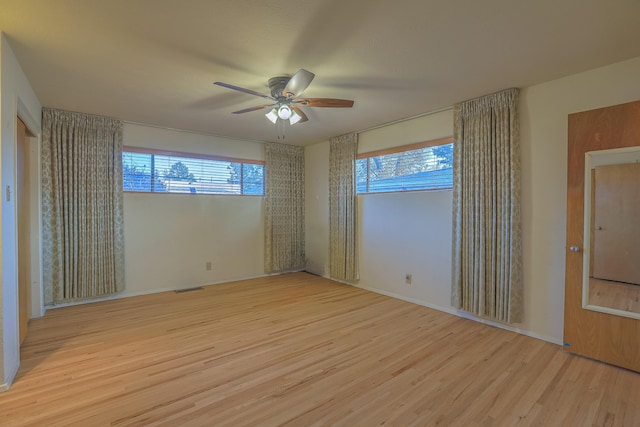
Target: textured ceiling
x,y
154,61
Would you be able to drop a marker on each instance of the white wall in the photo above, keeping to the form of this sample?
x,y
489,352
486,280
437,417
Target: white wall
x,y
16,97
402,233
169,238
543,130
411,232
407,233
316,217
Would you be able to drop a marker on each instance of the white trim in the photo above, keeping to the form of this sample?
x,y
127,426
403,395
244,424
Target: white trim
x,y
23,112
41,308
455,312
37,292
445,309
613,311
6,386
11,356
593,159
125,294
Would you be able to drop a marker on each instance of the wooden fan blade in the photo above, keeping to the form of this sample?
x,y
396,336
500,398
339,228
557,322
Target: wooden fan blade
x,y
325,102
257,107
244,90
300,113
298,83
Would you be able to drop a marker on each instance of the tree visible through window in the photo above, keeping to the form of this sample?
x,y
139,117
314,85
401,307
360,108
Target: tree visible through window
x,y
422,168
159,172
180,172
250,175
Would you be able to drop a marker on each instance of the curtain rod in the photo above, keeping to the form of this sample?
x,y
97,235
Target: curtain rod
x,y
382,125
100,116
129,122
406,119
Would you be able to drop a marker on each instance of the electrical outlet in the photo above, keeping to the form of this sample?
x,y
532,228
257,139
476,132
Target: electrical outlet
x,y
408,278
207,266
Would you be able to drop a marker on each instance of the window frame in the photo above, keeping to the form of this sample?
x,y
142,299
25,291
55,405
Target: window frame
x,y
401,149
161,152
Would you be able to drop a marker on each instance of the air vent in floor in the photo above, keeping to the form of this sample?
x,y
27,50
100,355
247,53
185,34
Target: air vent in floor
x,y
181,291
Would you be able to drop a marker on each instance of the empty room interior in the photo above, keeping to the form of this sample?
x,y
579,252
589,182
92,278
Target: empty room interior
x,y
340,213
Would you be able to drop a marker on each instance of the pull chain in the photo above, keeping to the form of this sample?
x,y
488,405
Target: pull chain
x,y
280,127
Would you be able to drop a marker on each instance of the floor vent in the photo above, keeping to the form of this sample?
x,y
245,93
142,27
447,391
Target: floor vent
x,y
181,291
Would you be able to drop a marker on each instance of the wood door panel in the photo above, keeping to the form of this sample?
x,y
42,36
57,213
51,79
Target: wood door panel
x,y
609,338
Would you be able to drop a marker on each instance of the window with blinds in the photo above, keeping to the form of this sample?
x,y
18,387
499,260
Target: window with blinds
x,y
423,166
170,172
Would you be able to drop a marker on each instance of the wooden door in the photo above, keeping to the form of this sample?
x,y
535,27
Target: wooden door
x,y
607,337
24,228
616,204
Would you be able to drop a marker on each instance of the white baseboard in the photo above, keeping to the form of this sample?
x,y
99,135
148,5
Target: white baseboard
x,y
455,312
445,309
126,294
7,385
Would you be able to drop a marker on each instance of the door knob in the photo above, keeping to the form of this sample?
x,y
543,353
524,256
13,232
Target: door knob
x,y
574,248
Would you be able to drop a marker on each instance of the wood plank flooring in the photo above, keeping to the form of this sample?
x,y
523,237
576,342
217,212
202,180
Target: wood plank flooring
x,y
621,296
299,350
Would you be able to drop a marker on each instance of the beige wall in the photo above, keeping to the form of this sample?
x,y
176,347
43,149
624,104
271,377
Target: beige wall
x,y
543,127
169,238
411,232
16,97
316,217
407,233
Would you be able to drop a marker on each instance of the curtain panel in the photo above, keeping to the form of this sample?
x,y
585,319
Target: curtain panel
x,y
487,264
82,211
343,251
284,208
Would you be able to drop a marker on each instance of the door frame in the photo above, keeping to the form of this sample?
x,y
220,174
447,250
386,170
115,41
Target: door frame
x,y
35,142
23,200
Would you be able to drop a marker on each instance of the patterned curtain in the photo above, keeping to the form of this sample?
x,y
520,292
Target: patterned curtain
x,y
82,212
284,208
487,265
343,251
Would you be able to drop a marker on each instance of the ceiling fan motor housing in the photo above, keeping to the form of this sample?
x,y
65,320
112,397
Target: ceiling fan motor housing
x,y
277,85
285,91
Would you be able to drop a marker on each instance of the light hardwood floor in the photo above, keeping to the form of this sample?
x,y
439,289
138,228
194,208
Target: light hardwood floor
x,y
621,296
299,350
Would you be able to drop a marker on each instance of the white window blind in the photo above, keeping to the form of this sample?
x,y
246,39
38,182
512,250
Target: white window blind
x,y
425,168
162,172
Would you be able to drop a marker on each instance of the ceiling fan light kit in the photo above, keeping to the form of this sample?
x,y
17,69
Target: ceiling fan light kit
x,y
272,116
285,94
295,118
284,112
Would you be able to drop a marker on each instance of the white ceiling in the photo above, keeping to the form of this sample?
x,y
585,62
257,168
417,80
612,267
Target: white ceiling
x,y
154,61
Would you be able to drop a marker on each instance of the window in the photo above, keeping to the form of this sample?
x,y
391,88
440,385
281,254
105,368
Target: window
x,y
169,172
423,166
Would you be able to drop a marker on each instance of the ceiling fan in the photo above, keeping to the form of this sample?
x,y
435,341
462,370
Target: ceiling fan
x,y
285,97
